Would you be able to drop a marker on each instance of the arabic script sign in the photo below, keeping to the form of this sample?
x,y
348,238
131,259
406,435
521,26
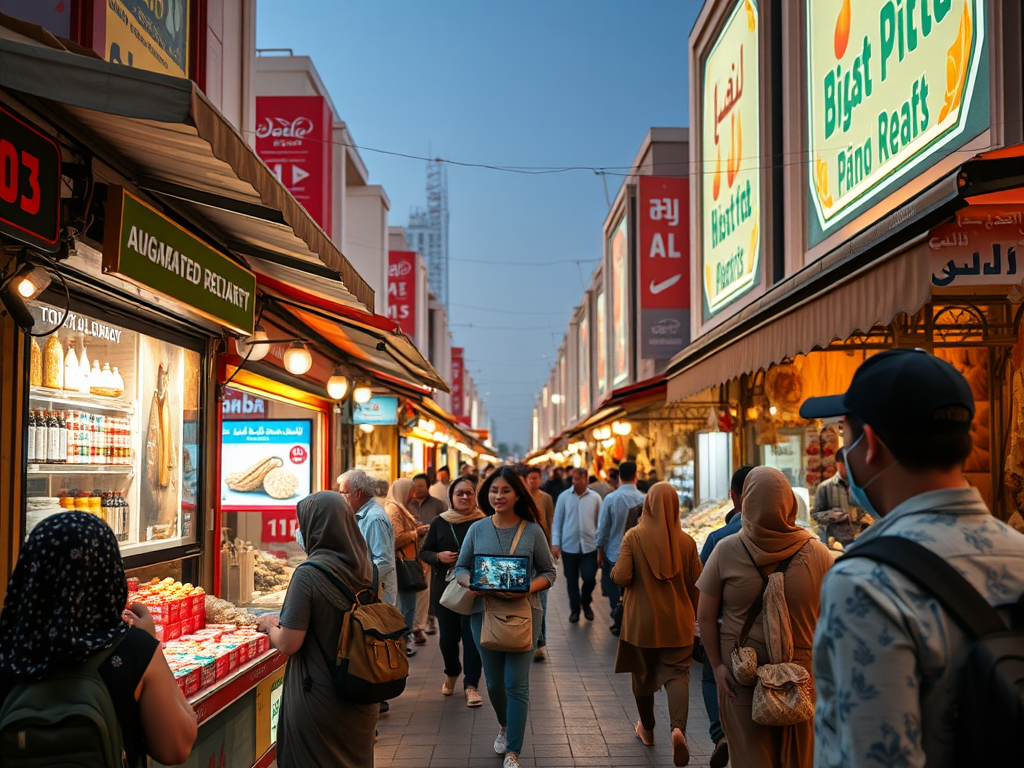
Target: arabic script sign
x,y
979,248
730,181
893,87
664,217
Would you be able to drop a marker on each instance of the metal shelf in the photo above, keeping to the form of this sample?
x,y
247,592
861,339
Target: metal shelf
x,y
74,399
81,469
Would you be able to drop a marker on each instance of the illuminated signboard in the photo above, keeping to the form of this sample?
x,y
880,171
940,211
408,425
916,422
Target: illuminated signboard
x,y
583,368
893,88
618,251
730,145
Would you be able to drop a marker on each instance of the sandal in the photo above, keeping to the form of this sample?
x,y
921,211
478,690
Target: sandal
x,y
448,688
640,731
680,752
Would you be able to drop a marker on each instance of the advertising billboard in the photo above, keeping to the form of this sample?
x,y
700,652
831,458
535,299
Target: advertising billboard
x,y
601,334
147,34
402,275
379,410
583,363
293,137
265,464
730,181
618,258
892,88
663,219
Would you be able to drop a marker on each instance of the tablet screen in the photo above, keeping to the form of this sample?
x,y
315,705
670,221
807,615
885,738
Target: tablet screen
x,y
500,573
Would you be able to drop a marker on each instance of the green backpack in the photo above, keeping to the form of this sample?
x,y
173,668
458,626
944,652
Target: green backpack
x,y
66,719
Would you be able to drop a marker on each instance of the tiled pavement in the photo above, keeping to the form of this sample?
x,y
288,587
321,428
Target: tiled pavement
x,y
581,712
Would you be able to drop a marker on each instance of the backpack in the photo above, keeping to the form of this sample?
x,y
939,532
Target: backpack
x,y
370,665
989,717
66,719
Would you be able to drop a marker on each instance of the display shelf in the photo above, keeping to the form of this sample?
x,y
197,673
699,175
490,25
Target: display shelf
x,y
95,402
81,469
212,700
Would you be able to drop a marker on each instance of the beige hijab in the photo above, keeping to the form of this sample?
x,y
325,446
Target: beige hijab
x,y
398,498
659,533
769,507
455,517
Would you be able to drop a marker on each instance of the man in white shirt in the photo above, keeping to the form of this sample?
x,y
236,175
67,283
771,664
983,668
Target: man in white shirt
x,y
574,539
439,490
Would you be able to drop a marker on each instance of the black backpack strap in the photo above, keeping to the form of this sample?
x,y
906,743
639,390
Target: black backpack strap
x,y
936,577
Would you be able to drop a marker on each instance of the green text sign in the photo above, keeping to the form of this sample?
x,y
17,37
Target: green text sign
x,y
891,86
149,249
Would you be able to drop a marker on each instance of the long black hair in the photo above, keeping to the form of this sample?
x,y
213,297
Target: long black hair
x,y
525,508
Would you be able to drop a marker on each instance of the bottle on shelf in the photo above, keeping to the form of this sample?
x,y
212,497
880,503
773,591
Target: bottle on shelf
x,y
71,430
53,454
83,370
118,383
35,377
71,368
30,449
42,437
62,431
125,515
53,363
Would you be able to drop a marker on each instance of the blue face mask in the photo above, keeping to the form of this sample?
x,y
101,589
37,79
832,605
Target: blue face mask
x,y
860,497
298,539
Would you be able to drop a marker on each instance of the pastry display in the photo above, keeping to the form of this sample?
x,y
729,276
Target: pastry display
x,y
280,483
251,478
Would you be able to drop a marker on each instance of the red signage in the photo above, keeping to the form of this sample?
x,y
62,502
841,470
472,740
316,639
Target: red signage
x,y
402,290
459,386
664,266
279,525
293,136
29,183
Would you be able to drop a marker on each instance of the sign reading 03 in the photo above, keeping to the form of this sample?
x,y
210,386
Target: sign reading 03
x,y
730,179
894,85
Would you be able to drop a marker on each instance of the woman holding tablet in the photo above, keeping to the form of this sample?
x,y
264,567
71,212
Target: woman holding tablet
x,y
510,533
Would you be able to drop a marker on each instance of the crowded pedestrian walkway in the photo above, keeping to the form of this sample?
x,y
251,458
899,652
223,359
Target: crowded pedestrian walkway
x,y
581,712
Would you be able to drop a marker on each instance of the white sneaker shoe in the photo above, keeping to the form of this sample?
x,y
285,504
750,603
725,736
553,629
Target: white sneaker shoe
x,y
511,761
501,744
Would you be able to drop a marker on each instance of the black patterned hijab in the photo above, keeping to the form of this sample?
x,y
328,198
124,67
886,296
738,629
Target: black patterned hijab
x,y
66,598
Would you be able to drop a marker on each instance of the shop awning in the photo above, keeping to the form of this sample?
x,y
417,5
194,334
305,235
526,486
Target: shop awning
x,y
370,342
166,136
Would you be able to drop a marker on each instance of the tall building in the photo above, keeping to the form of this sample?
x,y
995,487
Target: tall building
x,y
427,231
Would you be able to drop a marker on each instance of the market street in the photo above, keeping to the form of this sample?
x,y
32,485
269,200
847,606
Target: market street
x,y
581,712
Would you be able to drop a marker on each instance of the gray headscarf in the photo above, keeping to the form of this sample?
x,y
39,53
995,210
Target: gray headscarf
x,y
332,539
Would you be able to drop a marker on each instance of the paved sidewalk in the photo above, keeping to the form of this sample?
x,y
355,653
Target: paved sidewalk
x,y
581,713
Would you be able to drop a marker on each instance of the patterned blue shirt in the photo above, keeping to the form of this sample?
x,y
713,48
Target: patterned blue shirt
x,y
884,651
380,540
611,522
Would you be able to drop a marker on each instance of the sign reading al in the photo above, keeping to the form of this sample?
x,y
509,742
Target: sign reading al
x,y
894,86
145,247
730,181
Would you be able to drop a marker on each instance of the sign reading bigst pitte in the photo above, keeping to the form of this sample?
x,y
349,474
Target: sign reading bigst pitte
x,y
147,248
730,181
894,85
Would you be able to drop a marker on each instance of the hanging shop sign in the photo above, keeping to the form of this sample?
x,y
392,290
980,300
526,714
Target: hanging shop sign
x,y
379,410
618,256
583,363
730,183
664,266
458,362
402,274
266,464
981,247
29,183
147,248
893,88
601,334
293,137
147,34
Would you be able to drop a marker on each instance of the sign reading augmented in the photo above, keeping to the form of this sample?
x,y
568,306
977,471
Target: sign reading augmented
x,y
730,181
149,249
893,86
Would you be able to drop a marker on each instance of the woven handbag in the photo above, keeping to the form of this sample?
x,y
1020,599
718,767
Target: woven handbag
x,y
784,695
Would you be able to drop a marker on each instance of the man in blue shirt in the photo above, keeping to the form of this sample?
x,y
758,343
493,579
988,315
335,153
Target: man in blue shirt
x,y
611,525
574,539
359,490
720,757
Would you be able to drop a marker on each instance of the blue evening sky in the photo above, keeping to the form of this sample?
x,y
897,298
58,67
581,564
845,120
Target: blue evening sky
x,y
529,83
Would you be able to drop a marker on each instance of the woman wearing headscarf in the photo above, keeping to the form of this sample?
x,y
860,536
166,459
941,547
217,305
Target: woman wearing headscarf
x,y
440,552
316,726
65,604
408,531
733,578
658,565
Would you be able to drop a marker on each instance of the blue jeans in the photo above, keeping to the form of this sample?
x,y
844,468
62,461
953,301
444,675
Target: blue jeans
x,y
508,686
407,607
611,590
710,690
543,622
580,566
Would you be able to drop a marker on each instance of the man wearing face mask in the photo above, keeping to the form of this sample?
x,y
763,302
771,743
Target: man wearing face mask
x,y
886,650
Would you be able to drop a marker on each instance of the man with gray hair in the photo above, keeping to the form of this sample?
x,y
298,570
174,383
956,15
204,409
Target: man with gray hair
x,y
359,490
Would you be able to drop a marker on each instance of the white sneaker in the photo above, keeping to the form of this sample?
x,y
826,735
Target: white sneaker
x,y
501,744
511,761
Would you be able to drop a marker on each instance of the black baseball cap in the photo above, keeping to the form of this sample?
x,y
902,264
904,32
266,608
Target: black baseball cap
x,y
905,389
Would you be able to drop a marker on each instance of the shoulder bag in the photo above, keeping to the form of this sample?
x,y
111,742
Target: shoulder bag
x,y
508,624
455,596
410,574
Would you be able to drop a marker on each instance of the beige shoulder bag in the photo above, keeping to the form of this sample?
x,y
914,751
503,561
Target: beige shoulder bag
x,y
508,624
